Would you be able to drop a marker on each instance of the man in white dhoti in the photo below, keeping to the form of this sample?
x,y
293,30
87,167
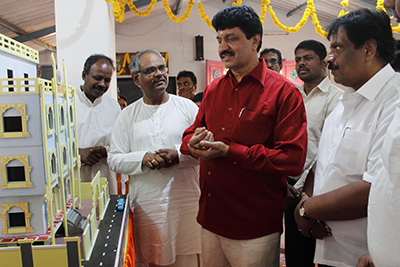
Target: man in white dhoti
x,y
164,185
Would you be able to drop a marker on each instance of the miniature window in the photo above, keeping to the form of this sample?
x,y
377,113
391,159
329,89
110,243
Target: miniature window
x,y
13,122
50,119
71,114
73,149
26,82
16,171
53,163
62,116
10,75
64,156
16,218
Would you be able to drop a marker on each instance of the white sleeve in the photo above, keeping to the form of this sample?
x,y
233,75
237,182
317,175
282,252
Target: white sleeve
x,y
186,160
120,158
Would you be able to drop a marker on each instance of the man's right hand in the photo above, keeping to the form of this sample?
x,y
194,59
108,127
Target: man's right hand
x,y
90,155
200,134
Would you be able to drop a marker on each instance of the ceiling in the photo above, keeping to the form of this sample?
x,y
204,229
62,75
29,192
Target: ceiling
x,y
32,22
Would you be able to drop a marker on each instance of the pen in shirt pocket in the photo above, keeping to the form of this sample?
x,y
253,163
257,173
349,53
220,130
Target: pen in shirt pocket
x,y
241,111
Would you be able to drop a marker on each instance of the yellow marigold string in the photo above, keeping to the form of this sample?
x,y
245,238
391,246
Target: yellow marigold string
x,y
345,3
127,60
173,17
118,9
315,21
204,16
298,26
237,3
141,13
264,5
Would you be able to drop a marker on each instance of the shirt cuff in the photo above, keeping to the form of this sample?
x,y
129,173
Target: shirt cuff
x,y
237,153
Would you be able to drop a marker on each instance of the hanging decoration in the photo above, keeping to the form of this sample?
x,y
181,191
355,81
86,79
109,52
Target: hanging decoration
x,y
173,17
119,11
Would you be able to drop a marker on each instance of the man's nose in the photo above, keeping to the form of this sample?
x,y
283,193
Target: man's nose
x,y
329,58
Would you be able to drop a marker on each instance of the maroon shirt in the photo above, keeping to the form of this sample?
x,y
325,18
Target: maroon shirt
x,y
263,121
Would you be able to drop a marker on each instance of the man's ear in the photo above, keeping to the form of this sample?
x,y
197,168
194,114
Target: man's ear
x,y
371,49
256,41
84,75
135,78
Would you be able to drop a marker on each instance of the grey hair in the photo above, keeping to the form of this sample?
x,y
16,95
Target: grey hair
x,y
134,65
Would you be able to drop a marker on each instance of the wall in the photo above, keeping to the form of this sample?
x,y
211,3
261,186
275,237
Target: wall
x,y
160,33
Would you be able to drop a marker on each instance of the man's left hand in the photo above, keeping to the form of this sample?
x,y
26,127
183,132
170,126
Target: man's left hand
x,y
210,150
365,261
170,156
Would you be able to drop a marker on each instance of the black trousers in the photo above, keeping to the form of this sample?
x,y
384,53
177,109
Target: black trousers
x,y
299,250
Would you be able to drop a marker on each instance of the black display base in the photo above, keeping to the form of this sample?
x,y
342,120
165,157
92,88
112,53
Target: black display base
x,y
110,242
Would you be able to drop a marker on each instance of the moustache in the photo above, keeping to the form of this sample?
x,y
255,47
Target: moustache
x,y
226,52
332,66
158,79
100,88
271,68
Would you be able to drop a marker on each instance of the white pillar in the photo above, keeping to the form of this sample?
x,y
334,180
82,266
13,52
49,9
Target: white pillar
x,y
84,27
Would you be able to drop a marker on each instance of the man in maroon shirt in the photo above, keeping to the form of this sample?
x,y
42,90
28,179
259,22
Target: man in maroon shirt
x,y
250,132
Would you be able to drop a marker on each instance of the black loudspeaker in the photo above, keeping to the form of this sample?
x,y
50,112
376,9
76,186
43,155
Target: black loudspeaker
x,y
199,48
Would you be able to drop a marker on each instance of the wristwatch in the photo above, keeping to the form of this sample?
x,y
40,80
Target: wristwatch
x,y
302,211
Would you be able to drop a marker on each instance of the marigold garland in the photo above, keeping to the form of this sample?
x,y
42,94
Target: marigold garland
x,y
119,11
185,15
127,60
142,13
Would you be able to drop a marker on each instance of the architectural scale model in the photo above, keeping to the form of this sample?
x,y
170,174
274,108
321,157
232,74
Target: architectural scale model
x,y
38,155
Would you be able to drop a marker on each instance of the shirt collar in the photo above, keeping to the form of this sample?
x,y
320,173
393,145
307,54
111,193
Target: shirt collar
x,y
372,87
323,86
86,100
259,73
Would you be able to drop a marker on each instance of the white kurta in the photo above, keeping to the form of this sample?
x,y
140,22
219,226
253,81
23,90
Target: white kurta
x,y
384,202
349,151
95,123
164,202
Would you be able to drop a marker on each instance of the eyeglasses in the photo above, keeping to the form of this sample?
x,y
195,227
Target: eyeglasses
x,y
272,61
153,70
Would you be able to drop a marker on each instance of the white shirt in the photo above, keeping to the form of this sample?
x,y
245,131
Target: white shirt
x,y
319,103
95,122
384,202
349,149
164,202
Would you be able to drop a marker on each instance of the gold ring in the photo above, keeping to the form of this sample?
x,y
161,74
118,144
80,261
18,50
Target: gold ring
x,y
153,160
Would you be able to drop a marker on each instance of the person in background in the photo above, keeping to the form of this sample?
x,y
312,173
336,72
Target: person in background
x,y
122,102
249,133
198,98
334,209
320,98
164,186
272,58
96,114
384,200
186,82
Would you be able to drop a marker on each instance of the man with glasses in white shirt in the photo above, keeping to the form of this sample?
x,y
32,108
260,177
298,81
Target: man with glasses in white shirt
x,y
164,184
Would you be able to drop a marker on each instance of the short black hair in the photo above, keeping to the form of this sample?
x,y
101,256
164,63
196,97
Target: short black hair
x,y
362,25
396,62
123,97
186,73
274,51
198,97
243,17
93,59
313,45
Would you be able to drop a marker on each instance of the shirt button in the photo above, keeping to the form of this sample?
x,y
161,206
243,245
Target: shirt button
x,y
235,162
209,195
223,128
229,109
209,173
236,89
